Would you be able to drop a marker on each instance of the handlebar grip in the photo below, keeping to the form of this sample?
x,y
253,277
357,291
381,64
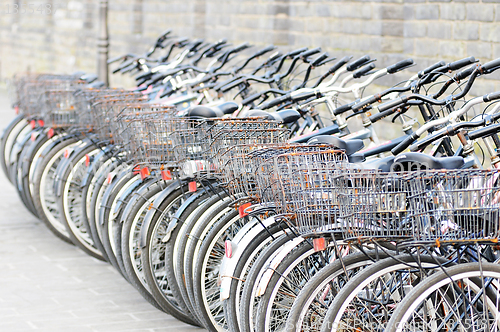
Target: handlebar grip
x,y
381,115
231,85
366,102
391,104
491,96
484,132
251,98
310,52
296,52
319,59
461,63
343,108
490,66
339,64
420,145
361,72
303,96
404,144
464,73
275,102
399,66
264,51
358,63
431,68
241,47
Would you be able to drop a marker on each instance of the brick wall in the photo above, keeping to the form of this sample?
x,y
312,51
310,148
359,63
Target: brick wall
x,y
427,31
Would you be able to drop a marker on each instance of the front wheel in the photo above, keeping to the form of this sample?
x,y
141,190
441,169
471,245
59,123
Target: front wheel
x,y
464,297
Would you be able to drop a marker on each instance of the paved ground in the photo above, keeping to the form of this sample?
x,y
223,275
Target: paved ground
x,y
48,285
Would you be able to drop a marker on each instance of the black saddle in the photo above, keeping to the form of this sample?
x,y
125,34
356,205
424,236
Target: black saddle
x,y
284,116
412,161
203,111
350,147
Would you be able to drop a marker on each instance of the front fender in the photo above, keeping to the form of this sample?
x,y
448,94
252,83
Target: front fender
x,y
266,276
158,201
240,244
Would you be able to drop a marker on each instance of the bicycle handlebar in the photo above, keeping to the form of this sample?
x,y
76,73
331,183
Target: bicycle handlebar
x,y
400,66
427,70
358,63
363,70
484,132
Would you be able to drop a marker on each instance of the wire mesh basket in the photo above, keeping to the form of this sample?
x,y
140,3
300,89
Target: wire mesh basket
x,y
374,204
461,205
307,188
224,134
31,90
146,134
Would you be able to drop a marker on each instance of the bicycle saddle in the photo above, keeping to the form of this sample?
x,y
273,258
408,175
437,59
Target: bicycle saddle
x,y
284,116
382,164
203,111
350,147
415,160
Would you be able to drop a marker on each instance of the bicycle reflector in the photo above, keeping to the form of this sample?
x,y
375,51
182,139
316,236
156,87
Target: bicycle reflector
x,y
242,208
319,244
166,175
228,248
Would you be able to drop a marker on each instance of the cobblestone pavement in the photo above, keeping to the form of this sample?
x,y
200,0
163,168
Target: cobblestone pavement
x,y
49,285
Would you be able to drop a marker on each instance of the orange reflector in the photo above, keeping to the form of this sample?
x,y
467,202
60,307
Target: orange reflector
x,y
242,208
33,136
16,109
33,124
166,175
192,187
144,173
110,177
319,244
87,160
50,133
228,248
41,123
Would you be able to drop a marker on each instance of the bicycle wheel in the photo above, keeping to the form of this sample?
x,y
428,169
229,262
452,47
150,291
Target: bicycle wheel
x,y
70,201
194,242
131,250
257,245
249,303
206,271
311,304
182,238
368,300
9,136
287,280
464,297
153,255
44,196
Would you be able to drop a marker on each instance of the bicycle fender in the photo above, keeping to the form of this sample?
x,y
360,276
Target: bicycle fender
x,y
266,276
67,162
182,208
128,207
149,215
125,191
239,245
92,167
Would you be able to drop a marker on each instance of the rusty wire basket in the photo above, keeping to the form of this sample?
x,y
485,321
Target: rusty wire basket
x,y
374,205
307,188
31,90
455,206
